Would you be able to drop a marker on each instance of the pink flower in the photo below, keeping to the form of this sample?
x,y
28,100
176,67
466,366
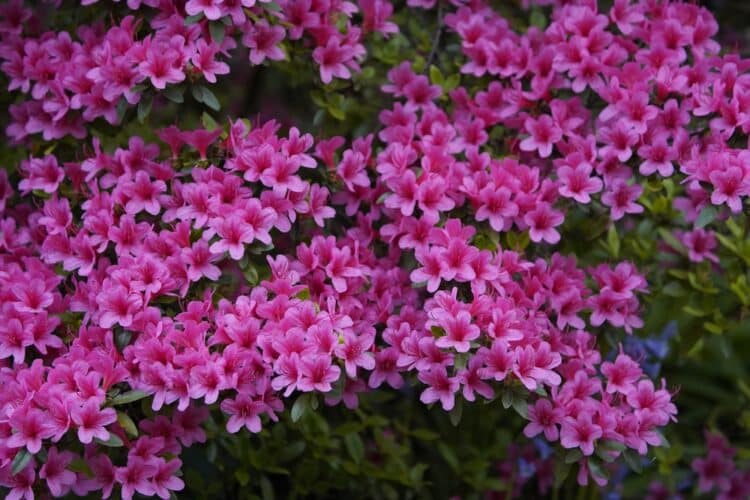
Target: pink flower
x,y
545,418
243,412
30,427
621,197
42,174
622,374
580,432
542,221
164,480
317,373
136,476
262,39
332,58
55,472
354,352
576,182
459,331
729,184
117,306
91,421
700,244
544,134
204,61
441,387
497,207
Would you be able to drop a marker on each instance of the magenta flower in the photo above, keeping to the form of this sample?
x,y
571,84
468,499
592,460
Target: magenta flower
x,y
243,412
92,421
544,417
30,427
317,373
263,41
580,432
136,476
440,387
544,133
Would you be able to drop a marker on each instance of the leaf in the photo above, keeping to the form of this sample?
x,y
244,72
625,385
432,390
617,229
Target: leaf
x,y
21,460
242,476
521,407
596,469
449,455
573,456
266,488
456,412
507,399
354,446
561,471
436,76
538,19
633,460
613,241
217,30
300,407
122,339
127,424
672,241
113,442
144,107
208,122
210,100
193,19
128,397
79,465
174,94
706,217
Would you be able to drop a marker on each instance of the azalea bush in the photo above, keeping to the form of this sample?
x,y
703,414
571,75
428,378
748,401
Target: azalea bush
x,y
258,249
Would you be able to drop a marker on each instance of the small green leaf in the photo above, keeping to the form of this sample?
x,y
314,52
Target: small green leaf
x,y
127,424
122,339
113,442
521,407
448,455
706,217
208,122
210,100
193,19
20,461
128,397
613,241
573,456
217,30
672,241
266,488
507,399
144,107
174,94
79,465
633,460
456,412
355,446
538,19
436,76
300,407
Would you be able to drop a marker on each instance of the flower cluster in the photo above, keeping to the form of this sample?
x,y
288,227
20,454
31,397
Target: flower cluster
x,y
718,471
239,268
75,78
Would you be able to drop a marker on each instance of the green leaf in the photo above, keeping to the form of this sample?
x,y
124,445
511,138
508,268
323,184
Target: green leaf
x,y
448,455
193,19
20,461
613,241
300,407
242,476
144,107
633,460
208,122
266,488
355,446
436,76
79,465
596,469
174,94
127,424
672,241
113,442
456,412
507,399
128,397
573,456
538,19
706,217
561,471
217,30
210,100
122,339
521,407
